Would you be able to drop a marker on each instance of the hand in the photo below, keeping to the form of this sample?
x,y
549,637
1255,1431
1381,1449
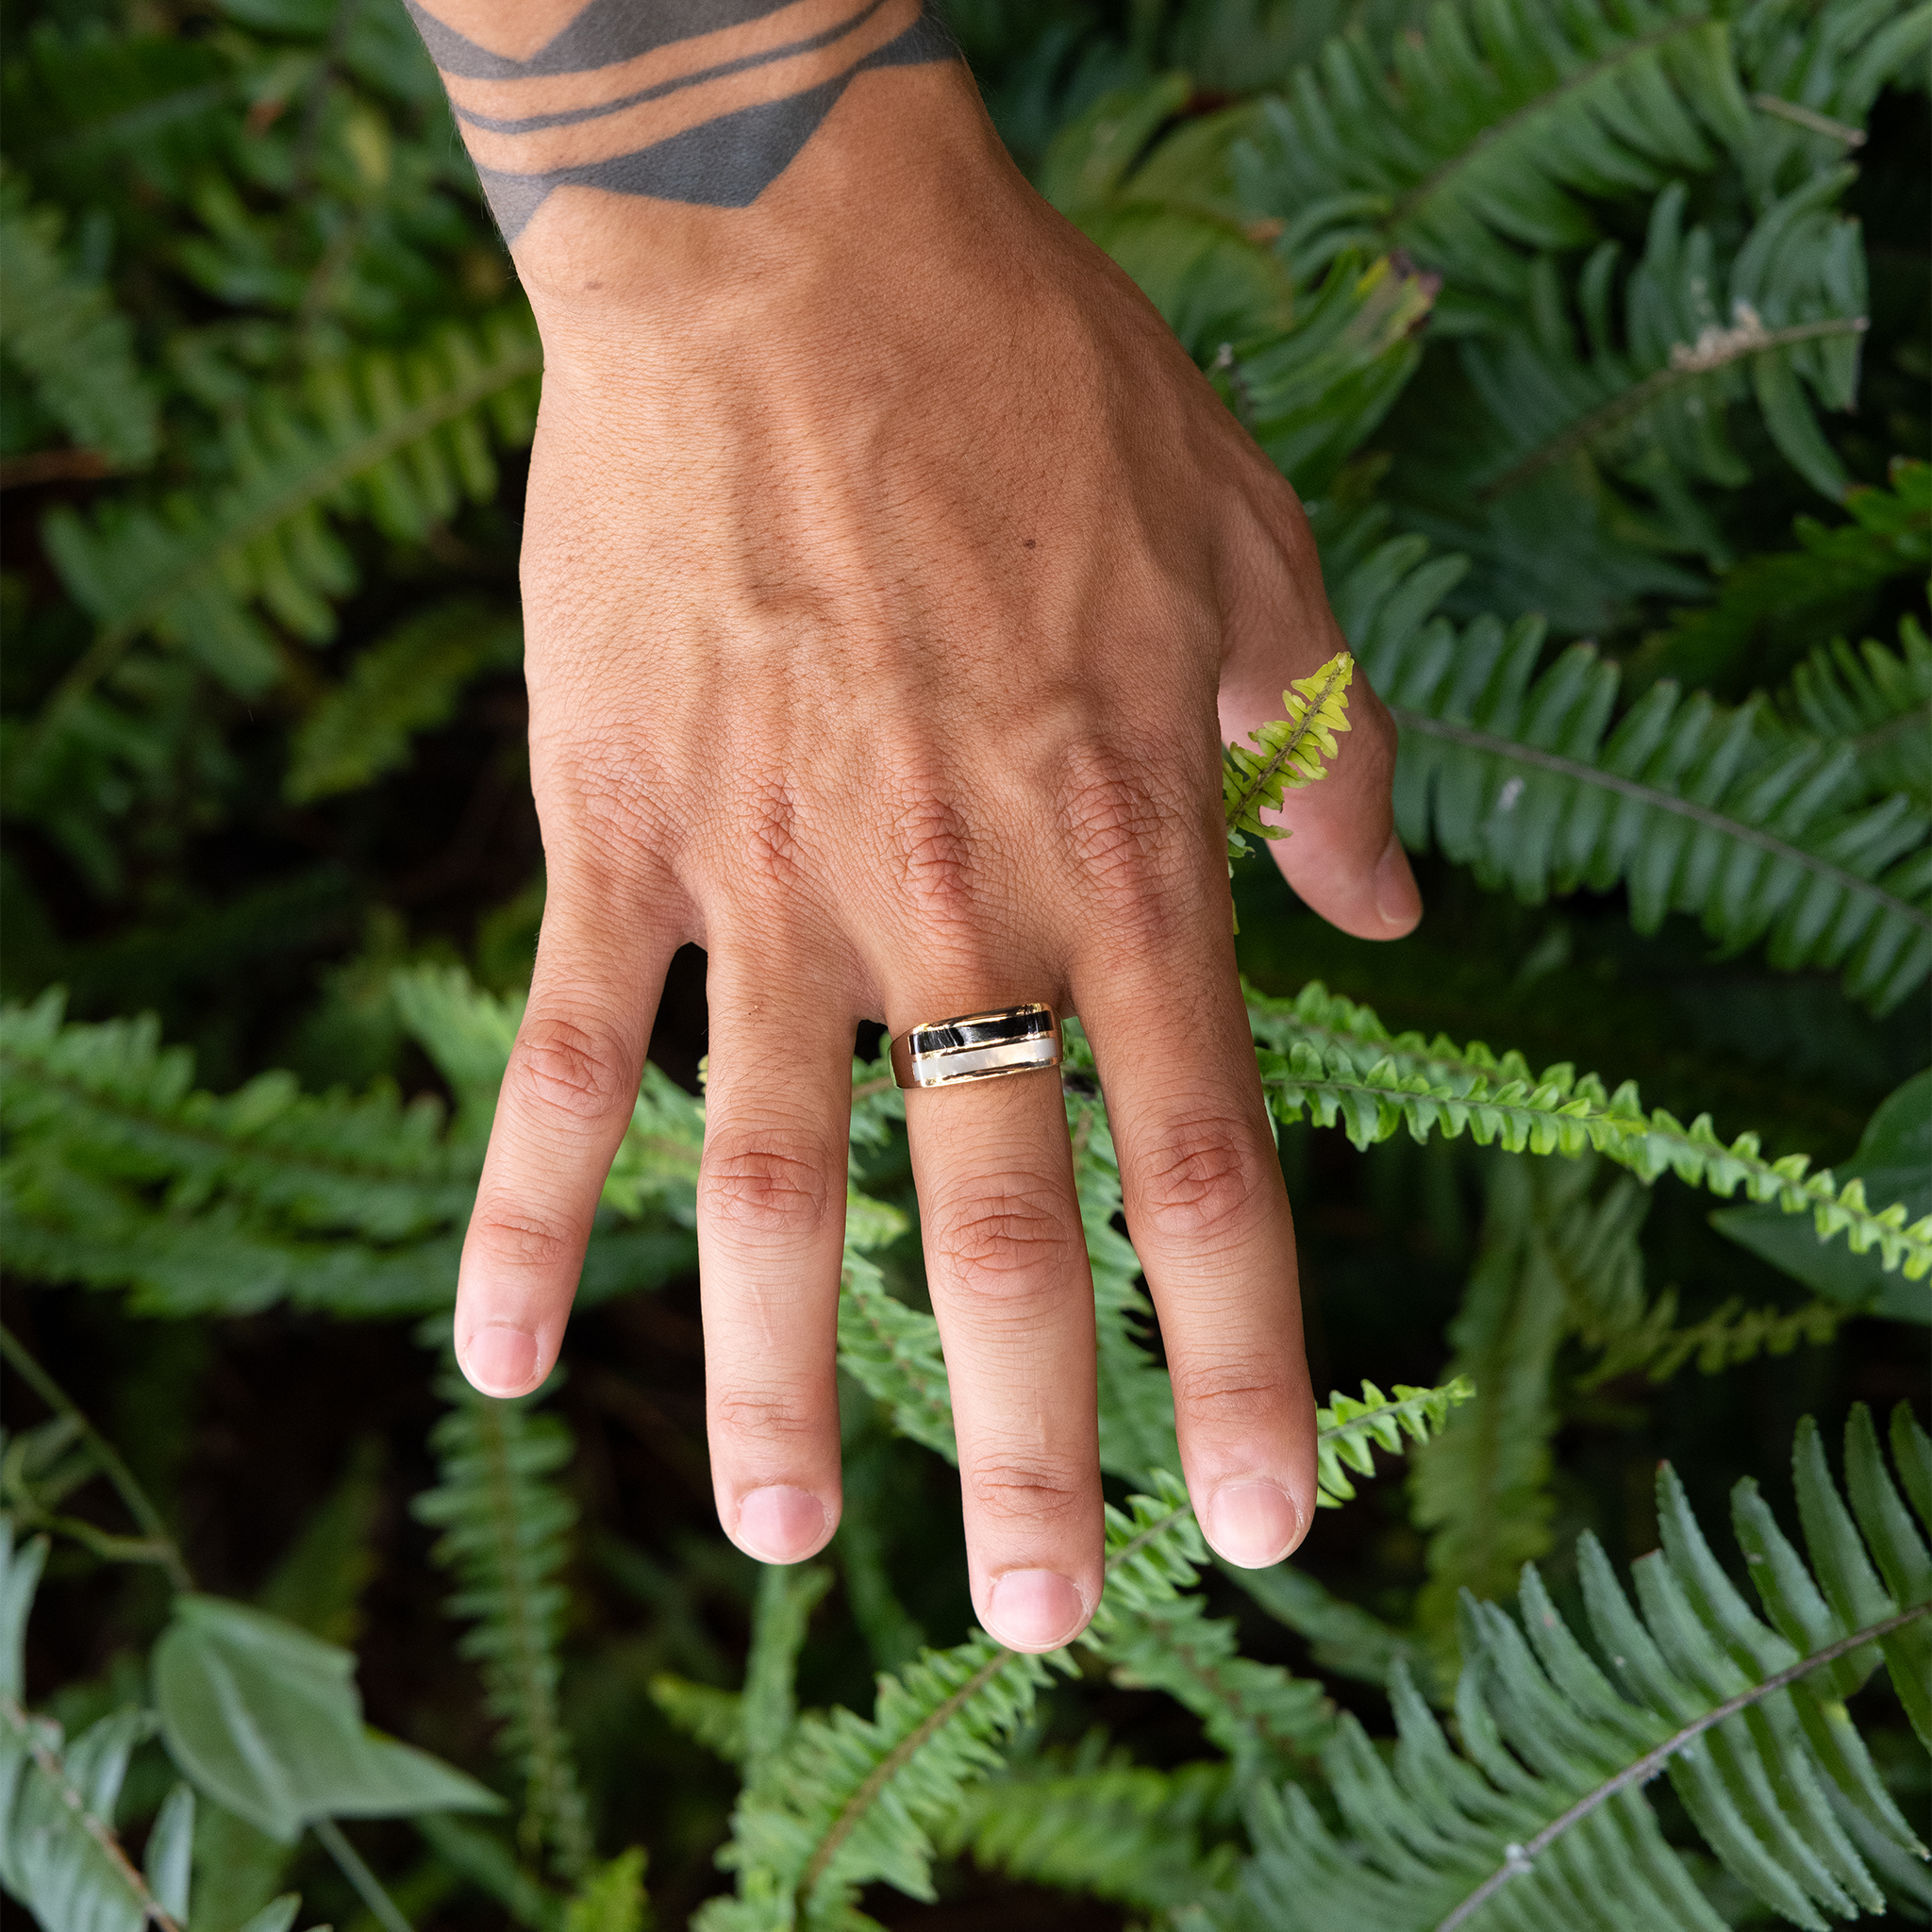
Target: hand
x,y
892,581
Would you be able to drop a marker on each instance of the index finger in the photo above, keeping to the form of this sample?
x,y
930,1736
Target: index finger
x,y
566,1099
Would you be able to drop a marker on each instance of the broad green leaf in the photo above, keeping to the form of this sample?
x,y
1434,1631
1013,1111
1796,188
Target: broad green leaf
x,y
266,1720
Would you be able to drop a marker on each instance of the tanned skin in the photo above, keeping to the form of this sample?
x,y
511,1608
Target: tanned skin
x,y
891,580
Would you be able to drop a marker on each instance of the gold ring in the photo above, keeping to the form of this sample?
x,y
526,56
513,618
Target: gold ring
x,y
977,1046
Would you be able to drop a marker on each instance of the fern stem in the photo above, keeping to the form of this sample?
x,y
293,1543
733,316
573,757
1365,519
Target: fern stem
x,y
1809,118
1247,801
1634,401
1521,1856
382,1908
162,1547
55,1772
1473,739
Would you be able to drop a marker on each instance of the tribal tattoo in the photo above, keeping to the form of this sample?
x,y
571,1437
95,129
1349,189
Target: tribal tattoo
x,y
704,101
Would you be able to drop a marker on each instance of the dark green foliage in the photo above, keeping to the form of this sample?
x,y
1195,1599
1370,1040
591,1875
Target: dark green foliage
x,y
1556,317
1542,1811
406,682
61,328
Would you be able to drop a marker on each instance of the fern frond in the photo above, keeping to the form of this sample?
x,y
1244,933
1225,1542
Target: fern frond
x,y
85,113
1136,1398
1153,1634
1541,1819
399,441
892,1351
1726,1337
1311,396
506,1534
1813,72
767,1710
611,1897
1478,136
1876,701
1691,806
851,1799
1481,1489
1698,335
1350,1431
1324,1054
59,1854
715,1718
1125,1832
1287,753
121,1174
63,328
1765,605
405,682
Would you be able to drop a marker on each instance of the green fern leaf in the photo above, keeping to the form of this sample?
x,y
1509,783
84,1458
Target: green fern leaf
x,y
1768,608
1481,1489
1877,702
715,1718
1334,1060
1477,136
1290,753
83,114
1691,806
506,1532
1697,337
1125,1832
1136,1398
406,681
1312,395
1728,1336
1541,1819
1814,73
1351,1430
611,1898
399,441
63,330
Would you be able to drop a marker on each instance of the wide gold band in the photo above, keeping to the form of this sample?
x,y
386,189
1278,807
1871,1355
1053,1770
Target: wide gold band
x,y
977,1046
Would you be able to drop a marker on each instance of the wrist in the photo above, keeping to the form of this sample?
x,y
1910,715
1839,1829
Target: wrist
x,y
903,169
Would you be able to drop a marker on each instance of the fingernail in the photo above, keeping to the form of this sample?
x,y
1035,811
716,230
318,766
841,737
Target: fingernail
x,y
1397,898
1251,1523
781,1524
500,1359
1034,1609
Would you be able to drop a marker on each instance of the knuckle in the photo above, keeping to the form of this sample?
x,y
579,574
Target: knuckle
x,y
770,1182
1126,828
1238,1396
771,830
1200,1177
771,1415
1008,1238
935,860
569,1068
1027,1488
522,1242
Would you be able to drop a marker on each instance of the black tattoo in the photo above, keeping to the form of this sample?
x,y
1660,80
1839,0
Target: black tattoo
x,y
711,150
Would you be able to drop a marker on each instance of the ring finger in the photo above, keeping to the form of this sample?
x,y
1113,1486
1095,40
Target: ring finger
x,y
1007,1266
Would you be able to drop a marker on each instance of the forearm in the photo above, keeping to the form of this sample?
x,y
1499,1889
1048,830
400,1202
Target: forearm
x,y
652,150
